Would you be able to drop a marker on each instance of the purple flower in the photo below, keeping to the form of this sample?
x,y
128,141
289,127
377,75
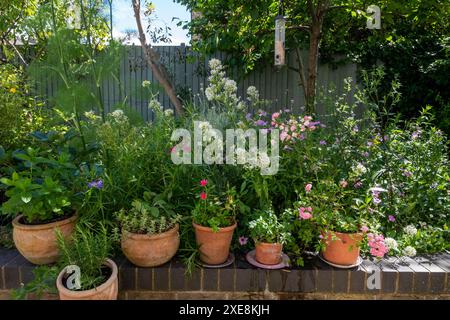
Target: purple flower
x,y
365,154
407,173
248,116
287,110
301,137
369,143
98,184
243,240
261,123
355,128
262,113
358,184
323,142
391,218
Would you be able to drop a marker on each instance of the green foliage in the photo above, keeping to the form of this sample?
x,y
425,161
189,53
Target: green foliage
x,y
150,216
37,202
268,228
88,249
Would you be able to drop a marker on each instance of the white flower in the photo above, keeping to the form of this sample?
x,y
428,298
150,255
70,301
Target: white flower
x,y
215,64
409,251
209,94
391,244
264,160
204,125
146,83
230,85
410,230
117,113
240,106
252,93
359,169
155,105
168,112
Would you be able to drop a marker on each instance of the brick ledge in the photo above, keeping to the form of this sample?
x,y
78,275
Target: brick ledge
x,y
423,277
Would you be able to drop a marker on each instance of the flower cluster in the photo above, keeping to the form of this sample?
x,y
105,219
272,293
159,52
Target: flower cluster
x,y
377,245
305,213
97,184
293,129
221,89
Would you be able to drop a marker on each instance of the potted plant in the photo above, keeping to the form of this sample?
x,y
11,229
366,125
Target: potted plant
x,y
40,206
214,221
89,273
340,215
150,231
269,235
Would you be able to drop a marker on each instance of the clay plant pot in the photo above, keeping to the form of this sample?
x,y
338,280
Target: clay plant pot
x,y
214,247
150,250
268,253
37,243
341,248
106,291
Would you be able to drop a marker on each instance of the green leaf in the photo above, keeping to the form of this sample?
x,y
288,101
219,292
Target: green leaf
x,y
26,198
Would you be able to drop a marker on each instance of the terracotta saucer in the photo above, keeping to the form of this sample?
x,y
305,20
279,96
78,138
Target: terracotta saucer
x,y
252,260
229,261
358,262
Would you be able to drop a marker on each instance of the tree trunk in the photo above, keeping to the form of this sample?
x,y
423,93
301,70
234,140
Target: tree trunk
x,y
313,58
152,58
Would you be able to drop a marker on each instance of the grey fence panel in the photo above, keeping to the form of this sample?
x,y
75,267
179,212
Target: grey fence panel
x,y
189,73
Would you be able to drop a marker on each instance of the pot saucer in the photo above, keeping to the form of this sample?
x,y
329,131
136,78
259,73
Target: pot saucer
x,y
340,266
252,260
229,261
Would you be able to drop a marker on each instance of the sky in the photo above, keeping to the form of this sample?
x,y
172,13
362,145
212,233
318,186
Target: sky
x,y
165,10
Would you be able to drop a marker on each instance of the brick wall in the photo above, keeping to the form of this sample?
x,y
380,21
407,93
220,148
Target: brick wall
x,y
421,278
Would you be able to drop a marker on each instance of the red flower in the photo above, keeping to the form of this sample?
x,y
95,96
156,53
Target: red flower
x,y
203,182
203,195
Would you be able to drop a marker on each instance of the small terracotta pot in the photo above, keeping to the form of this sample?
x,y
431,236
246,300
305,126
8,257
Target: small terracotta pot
x,y
341,248
37,243
150,250
268,253
214,247
106,291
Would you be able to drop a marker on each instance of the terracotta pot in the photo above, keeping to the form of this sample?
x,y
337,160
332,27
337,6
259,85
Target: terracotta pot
x,y
268,253
37,243
341,248
106,291
214,247
150,250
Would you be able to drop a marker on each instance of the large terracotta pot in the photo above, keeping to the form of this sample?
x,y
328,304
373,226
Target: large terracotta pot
x,y
106,291
214,247
150,250
37,243
341,248
268,253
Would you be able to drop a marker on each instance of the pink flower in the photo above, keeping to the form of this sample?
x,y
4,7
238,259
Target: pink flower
x,y
203,196
343,183
284,136
364,229
308,188
203,182
173,149
305,213
243,240
391,218
377,246
275,115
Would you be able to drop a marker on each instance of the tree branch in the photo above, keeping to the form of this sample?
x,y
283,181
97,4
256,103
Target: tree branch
x,y
152,58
